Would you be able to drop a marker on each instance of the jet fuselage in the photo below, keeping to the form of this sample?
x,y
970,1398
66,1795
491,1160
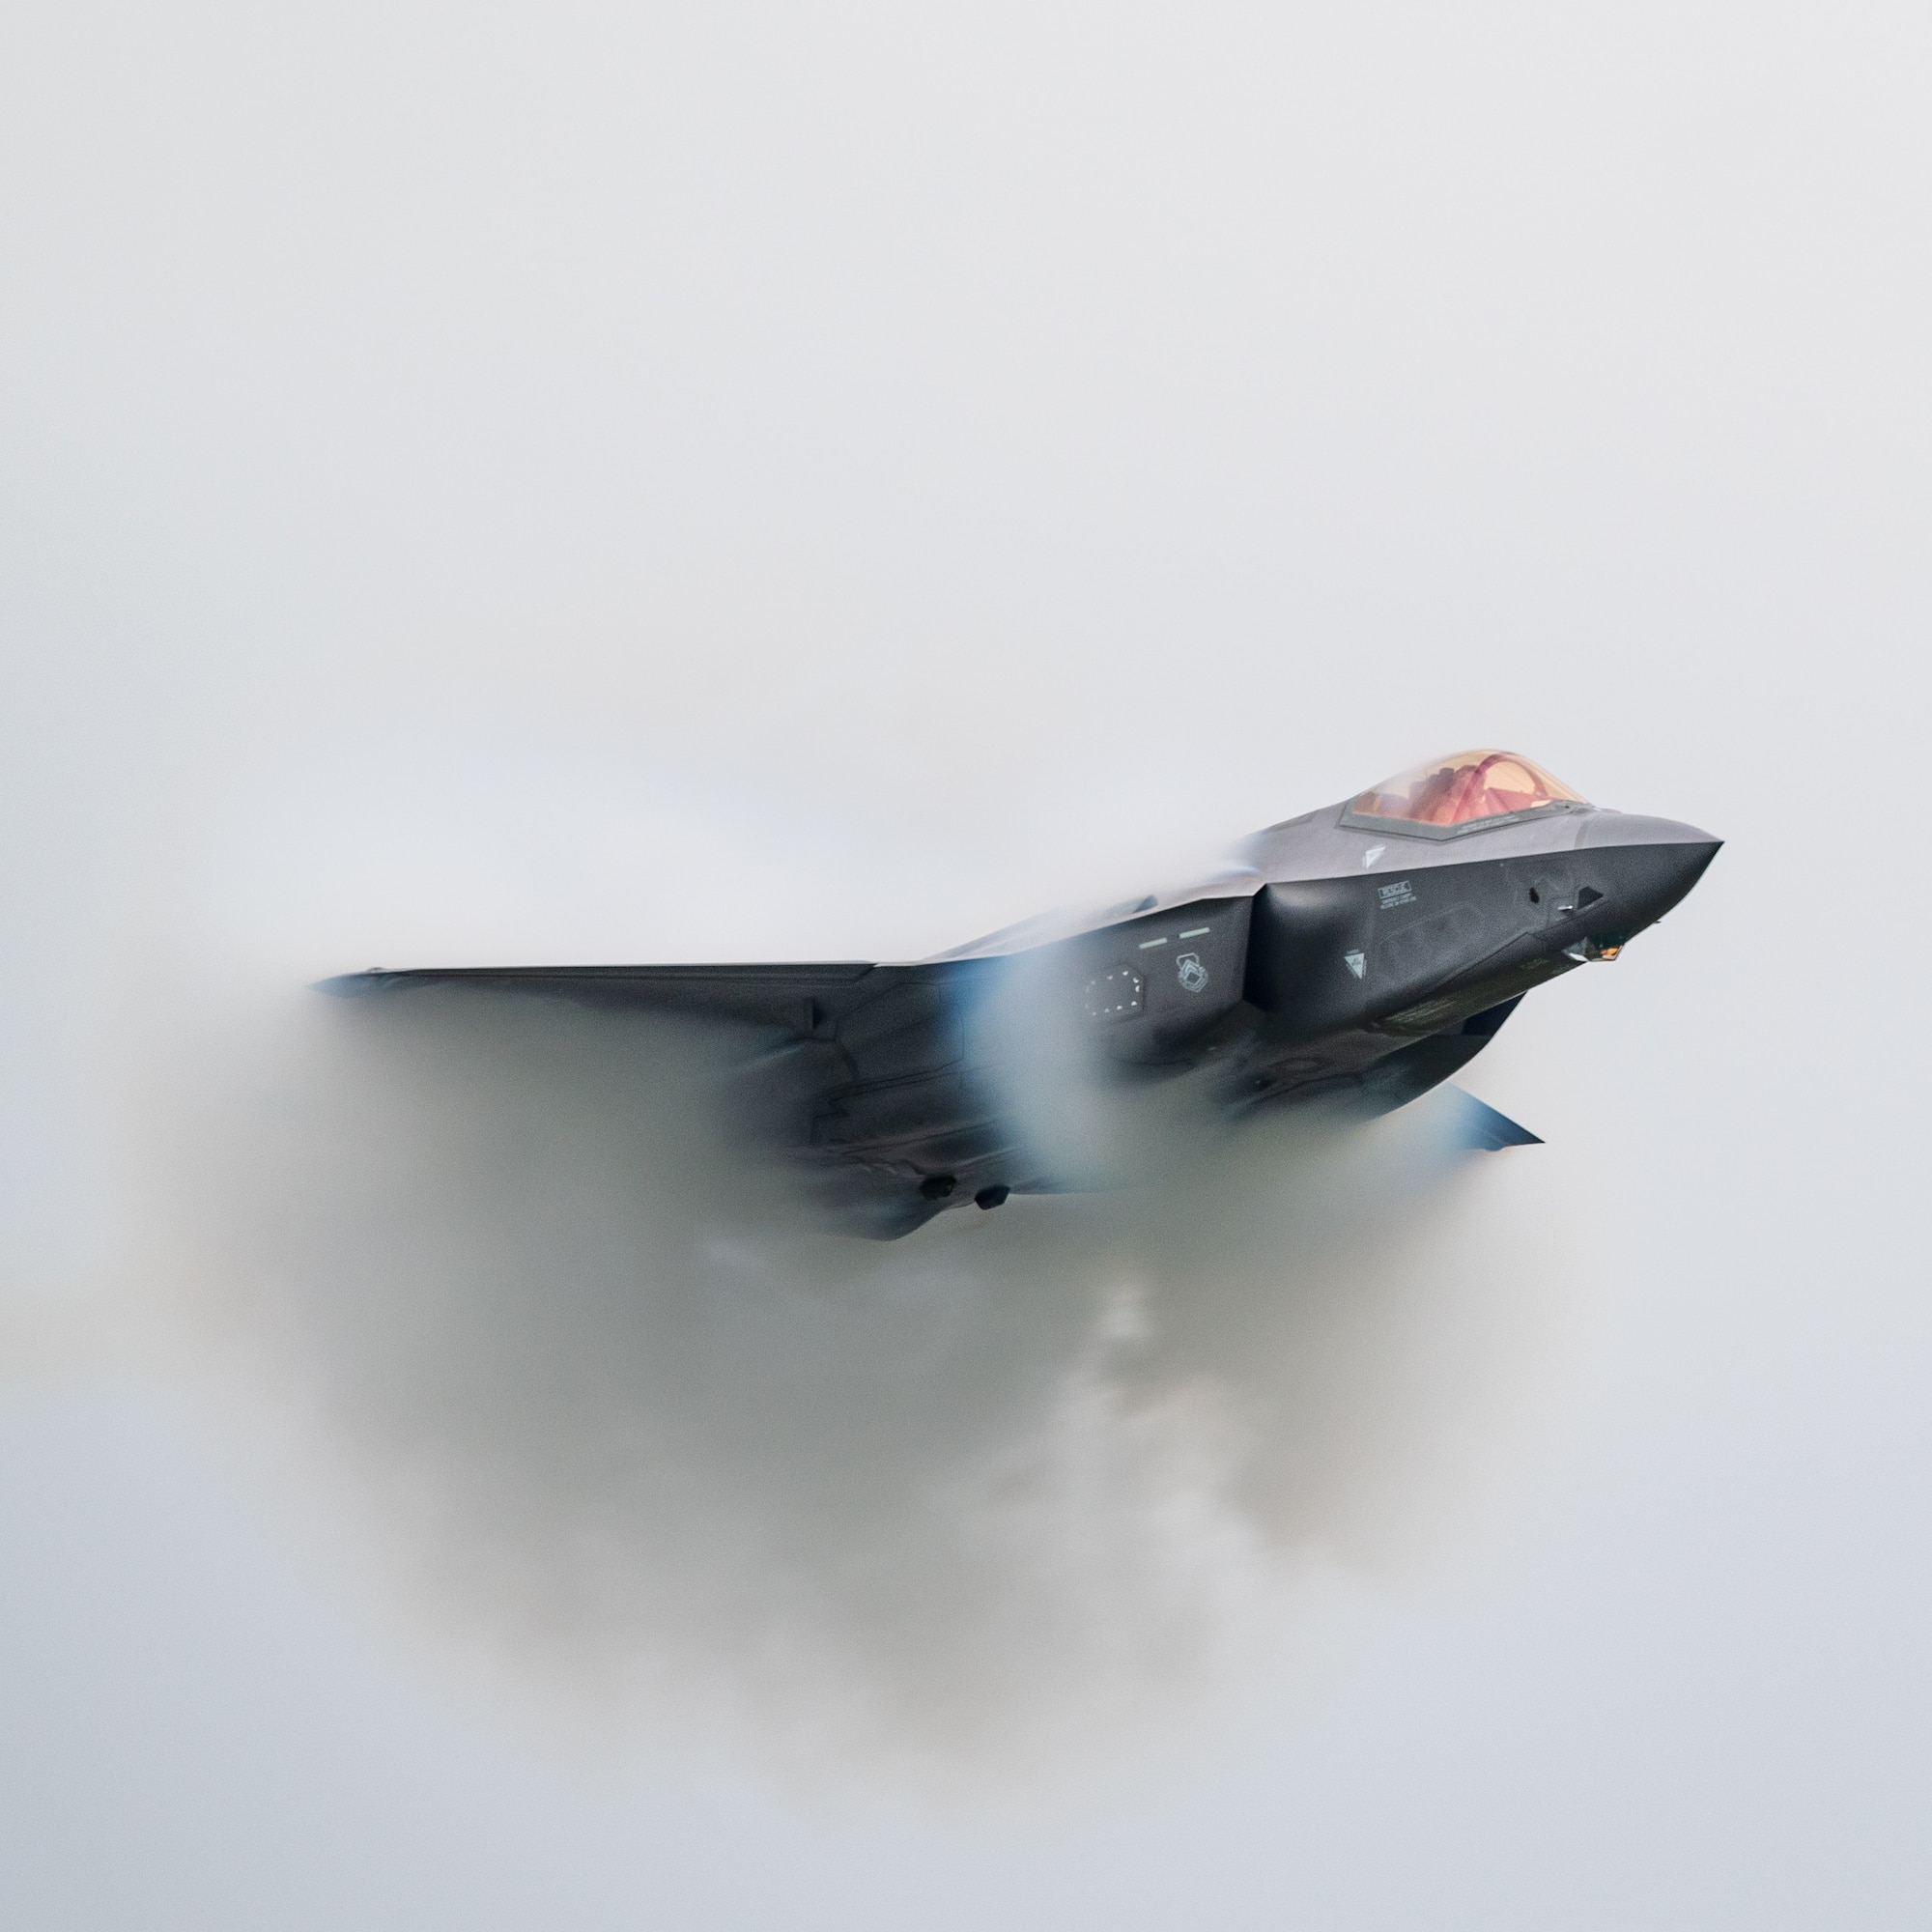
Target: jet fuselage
x,y
1355,956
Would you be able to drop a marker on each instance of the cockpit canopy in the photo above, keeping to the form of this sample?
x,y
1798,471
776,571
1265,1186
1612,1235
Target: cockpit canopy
x,y
1462,788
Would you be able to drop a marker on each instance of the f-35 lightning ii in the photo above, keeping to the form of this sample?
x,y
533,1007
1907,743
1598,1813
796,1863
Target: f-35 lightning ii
x,y
1355,956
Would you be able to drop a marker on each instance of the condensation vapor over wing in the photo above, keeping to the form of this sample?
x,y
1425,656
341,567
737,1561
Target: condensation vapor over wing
x,y
969,1492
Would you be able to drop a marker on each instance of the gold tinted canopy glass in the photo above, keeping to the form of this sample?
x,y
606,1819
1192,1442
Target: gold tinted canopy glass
x,y
1464,788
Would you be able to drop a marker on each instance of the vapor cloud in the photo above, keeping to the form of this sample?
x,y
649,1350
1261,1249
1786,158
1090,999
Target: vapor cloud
x,y
616,1409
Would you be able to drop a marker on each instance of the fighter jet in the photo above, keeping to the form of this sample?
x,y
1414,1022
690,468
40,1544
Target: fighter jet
x,y
1351,959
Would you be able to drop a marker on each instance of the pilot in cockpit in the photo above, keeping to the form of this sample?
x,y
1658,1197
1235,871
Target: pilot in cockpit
x,y
1464,789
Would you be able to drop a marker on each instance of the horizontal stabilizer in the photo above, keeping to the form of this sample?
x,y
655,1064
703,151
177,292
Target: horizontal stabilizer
x,y
1479,1126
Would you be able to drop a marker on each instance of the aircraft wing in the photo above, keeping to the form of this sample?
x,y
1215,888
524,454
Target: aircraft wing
x,y
798,999
865,1084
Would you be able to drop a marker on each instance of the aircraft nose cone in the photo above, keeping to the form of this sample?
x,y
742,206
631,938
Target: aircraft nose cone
x,y
1653,863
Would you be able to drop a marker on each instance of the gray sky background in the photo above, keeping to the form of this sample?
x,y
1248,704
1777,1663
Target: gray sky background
x,y
687,483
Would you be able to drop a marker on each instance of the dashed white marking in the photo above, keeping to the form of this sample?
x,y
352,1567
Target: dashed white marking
x,y
1145,943
1197,931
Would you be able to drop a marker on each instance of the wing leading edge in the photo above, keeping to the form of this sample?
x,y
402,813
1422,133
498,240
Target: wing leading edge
x,y
795,997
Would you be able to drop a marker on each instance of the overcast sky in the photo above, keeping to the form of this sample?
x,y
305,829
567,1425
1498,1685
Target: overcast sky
x,y
675,482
